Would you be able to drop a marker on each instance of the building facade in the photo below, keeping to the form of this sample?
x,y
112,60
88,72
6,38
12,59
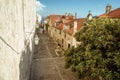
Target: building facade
x,y
62,29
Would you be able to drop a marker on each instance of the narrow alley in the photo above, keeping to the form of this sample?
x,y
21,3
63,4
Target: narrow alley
x,y
47,63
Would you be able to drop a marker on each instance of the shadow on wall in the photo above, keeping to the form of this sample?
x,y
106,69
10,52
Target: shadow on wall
x,y
25,64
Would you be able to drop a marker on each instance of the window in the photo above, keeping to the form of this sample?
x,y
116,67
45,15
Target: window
x,y
68,45
60,32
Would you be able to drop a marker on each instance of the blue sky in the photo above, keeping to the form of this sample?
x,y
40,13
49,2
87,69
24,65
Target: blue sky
x,y
81,7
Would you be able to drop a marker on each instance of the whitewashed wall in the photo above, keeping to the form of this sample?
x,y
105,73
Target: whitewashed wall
x,y
17,21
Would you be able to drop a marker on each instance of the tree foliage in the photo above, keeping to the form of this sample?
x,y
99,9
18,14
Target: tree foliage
x,y
98,55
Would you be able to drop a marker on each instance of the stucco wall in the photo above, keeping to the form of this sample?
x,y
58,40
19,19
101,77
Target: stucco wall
x,y
17,25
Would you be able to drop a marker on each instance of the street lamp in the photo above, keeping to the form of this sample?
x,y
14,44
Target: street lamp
x,y
36,40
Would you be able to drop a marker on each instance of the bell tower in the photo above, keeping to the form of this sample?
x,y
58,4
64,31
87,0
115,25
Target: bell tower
x,y
89,16
108,8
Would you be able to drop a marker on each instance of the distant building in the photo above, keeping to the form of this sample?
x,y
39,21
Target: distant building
x,y
115,14
62,28
89,16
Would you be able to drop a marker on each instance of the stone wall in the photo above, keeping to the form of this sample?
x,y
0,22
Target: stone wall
x,y
17,26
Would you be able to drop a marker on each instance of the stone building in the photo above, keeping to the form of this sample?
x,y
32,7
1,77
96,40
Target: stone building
x,y
17,28
62,29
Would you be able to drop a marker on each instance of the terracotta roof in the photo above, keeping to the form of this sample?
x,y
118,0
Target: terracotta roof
x,y
69,31
102,16
113,14
53,18
70,21
60,26
80,23
59,18
66,20
69,17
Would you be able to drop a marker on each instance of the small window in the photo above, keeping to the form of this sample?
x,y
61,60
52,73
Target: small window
x,y
60,32
68,45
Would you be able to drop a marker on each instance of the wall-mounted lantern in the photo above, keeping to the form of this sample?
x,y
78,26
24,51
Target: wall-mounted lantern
x,y
36,40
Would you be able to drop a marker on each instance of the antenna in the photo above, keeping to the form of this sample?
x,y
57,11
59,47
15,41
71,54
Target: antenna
x,y
75,15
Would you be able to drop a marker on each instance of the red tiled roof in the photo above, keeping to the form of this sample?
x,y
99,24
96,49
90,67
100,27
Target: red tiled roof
x,y
53,18
69,31
80,23
67,20
69,17
102,16
113,14
60,26
70,21
58,18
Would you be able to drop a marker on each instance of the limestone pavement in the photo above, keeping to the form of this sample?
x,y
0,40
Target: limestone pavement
x,y
47,63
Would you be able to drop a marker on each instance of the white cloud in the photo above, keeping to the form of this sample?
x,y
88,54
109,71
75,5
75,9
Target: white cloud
x,y
39,6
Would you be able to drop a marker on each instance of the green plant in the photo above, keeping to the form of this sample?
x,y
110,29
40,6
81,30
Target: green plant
x,y
98,55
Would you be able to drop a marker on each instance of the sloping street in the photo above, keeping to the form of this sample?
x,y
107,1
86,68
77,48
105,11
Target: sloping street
x,y
47,63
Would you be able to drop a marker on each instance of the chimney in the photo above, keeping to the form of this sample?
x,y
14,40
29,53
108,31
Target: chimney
x,y
74,31
75,27
75,15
